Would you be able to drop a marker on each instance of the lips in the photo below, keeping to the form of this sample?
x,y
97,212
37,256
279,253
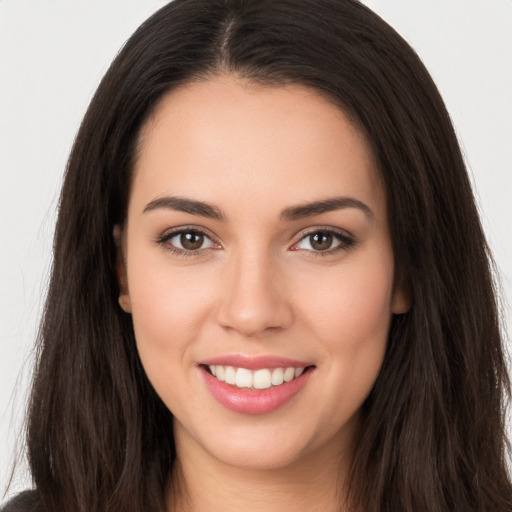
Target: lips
x,y
254,385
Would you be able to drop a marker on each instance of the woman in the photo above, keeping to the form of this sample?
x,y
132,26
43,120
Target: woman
x,y
270,289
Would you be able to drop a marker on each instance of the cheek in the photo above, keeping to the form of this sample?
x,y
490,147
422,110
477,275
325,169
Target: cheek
x,y
351,317
169,306
352,303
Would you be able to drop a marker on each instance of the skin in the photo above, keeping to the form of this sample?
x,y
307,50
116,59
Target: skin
x,y
259,287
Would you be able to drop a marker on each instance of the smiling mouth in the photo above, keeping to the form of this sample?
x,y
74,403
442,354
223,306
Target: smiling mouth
x,y
263,378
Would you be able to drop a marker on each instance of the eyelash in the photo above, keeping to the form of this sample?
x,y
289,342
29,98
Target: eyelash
x,y
166,237
346,241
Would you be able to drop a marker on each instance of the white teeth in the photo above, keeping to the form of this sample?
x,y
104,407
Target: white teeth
x,y
243,378
220,373
262,379
289,374
230,376
277,376
258,379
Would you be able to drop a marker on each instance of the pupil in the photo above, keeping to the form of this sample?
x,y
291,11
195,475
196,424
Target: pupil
x,y
191,241
321,241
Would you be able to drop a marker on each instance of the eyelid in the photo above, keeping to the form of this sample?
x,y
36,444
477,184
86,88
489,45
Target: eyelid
x,y
168,234
347,240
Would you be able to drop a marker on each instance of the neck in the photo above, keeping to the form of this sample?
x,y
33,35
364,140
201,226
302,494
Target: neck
x,y
201,483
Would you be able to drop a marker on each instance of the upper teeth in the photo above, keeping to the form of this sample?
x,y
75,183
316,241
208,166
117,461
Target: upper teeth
x,y
258,379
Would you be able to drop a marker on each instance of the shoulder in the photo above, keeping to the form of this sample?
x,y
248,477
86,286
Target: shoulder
x,y
27,501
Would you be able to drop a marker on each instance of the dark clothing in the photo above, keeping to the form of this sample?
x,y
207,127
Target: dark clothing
x,y
27,501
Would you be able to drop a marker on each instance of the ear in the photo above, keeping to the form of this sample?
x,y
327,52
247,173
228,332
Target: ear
x,y
124,296
401,302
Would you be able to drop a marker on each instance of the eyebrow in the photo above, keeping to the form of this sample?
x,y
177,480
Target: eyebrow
x,y
324,206
182,204
203,209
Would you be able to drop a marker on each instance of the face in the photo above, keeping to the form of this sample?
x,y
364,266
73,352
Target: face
x,y
258,268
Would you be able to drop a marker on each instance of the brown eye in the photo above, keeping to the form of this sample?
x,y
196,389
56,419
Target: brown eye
x,y
321,241
324,241
187,241
191,241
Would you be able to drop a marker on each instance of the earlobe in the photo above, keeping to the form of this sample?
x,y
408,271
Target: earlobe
x,y
124,302
124,296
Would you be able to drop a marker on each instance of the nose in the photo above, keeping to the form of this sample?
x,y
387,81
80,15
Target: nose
x,y
253,298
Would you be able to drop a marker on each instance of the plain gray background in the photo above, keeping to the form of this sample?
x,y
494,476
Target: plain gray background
x,y
52,56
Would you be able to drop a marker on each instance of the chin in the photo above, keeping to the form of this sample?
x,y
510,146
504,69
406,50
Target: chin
x,y
260,458
266,445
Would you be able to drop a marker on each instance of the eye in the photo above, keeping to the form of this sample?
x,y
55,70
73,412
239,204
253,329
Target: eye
x,y
324,240
187,240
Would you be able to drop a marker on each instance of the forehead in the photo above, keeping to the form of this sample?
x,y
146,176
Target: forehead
x,y
223,138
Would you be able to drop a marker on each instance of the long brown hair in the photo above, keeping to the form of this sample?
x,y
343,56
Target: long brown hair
x,y
432,435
